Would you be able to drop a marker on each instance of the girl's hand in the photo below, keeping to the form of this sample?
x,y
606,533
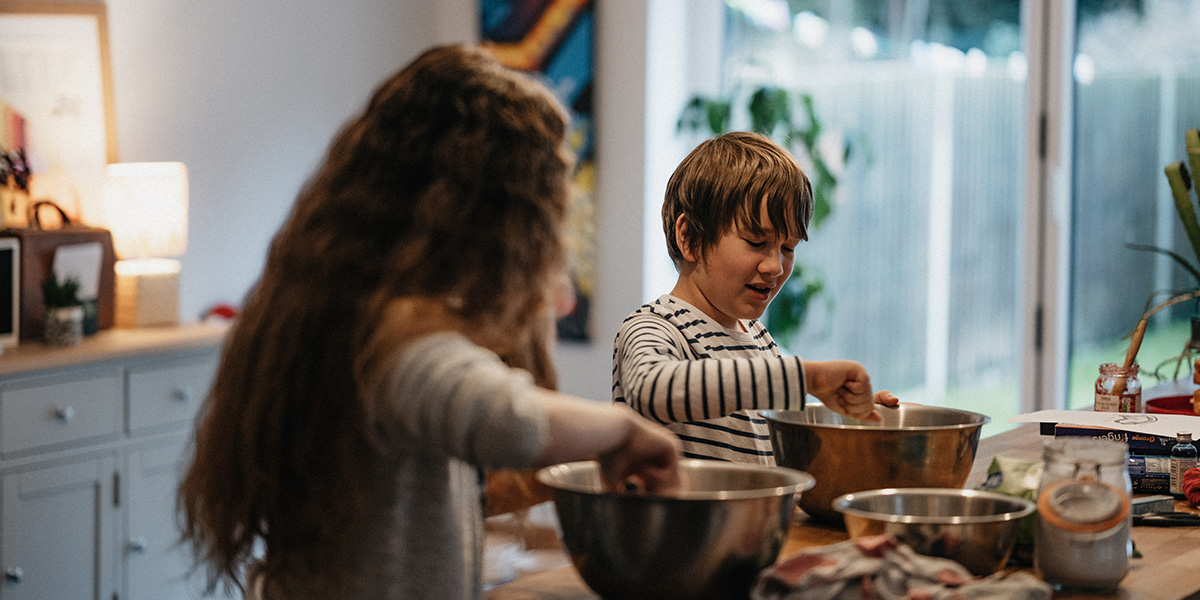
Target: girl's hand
x,y
630,448
647,459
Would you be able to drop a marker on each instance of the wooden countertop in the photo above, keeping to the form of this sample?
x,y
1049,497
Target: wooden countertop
x,y
1169,568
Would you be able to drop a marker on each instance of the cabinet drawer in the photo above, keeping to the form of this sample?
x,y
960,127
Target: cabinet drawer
x,y
59,410
169,393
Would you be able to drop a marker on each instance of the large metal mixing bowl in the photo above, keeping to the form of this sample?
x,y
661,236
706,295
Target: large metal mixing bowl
x,y
914,446
709,540
976,529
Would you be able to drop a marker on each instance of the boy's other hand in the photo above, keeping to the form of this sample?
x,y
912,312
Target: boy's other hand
x,y
845,387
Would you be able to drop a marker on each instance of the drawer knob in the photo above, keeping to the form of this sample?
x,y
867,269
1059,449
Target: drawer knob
x,y
182,394
64,413
137,544
14,574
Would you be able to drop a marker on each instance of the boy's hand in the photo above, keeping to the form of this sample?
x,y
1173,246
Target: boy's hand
x,y
845,387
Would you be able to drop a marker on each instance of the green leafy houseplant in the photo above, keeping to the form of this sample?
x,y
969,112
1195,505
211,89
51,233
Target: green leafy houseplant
x,y
56,294
776,112
1181,192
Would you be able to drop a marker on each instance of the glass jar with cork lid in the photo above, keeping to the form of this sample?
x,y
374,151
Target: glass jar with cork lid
x,y
1084,514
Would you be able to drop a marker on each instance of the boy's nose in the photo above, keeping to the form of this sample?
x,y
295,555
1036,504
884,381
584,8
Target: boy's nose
x,y
771,265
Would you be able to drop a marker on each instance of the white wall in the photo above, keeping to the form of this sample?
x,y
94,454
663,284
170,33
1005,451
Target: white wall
x,y
248,94
680,63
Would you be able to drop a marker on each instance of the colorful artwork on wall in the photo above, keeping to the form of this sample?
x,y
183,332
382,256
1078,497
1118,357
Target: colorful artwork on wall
x,y
553,40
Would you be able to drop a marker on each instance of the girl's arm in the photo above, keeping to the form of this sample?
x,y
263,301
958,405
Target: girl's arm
x,y
442,394
626,445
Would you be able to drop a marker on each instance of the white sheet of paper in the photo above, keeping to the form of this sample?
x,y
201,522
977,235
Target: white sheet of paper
x,y
1151,423
80,262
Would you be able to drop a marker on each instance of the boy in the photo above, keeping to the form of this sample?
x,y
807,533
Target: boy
x,y
698,359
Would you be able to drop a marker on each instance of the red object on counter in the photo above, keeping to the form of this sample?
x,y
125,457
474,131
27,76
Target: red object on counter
x,y
221,311
1171,405
1191,486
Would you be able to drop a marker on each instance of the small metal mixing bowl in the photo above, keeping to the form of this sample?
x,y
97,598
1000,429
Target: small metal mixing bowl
x,y
974,528
915,445
708,540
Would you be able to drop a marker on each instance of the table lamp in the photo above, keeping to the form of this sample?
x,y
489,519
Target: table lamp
x,y
146,207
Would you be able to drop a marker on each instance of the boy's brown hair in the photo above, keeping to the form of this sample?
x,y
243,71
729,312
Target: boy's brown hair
x,y
723,182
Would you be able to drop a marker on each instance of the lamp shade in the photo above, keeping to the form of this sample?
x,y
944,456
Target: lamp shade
x,y
146,207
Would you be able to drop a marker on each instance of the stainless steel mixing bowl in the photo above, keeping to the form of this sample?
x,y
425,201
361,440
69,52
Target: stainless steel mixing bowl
x,y
914,446
977,529
709,540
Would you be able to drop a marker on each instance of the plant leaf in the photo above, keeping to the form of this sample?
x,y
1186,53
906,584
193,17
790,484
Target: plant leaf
x,y
1177,177
769,108
701,112
717,112
1192,137
1179,259
788,310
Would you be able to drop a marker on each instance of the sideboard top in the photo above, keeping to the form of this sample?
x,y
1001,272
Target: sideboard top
x,y
109,344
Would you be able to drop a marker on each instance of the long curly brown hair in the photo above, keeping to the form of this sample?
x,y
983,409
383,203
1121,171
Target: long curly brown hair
x,y
450,188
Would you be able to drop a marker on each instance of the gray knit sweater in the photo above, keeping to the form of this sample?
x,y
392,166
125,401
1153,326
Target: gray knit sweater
x,y
452,407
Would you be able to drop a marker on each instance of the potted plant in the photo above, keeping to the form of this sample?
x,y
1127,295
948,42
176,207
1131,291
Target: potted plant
x,y
1181,185
63,322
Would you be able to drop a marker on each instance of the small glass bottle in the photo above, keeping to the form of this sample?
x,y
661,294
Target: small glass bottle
x,y
1084,515
1109,398
1183,457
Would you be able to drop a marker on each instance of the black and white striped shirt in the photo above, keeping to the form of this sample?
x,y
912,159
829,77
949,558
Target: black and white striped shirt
x,y
673,365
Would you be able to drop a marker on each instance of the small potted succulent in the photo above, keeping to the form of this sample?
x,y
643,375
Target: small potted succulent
x,y
63,325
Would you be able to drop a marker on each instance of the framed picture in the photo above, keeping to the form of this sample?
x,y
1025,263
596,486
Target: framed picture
x,y
10,291
56,99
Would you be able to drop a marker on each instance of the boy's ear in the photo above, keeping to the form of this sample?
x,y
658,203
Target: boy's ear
x,y
683,241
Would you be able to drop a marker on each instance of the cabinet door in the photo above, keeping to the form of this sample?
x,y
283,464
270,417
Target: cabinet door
x,y
59,527
158,567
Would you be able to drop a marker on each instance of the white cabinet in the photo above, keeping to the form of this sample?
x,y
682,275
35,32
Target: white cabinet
x,y
93,442
158,567
59,529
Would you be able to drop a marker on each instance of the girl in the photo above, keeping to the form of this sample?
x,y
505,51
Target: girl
x,y
361,392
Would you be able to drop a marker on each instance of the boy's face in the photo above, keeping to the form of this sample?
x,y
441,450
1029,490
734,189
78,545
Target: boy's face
x,y
739,276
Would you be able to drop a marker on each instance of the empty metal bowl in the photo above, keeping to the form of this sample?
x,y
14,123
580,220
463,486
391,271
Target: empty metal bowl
x,y
708,540
914,446
974,528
